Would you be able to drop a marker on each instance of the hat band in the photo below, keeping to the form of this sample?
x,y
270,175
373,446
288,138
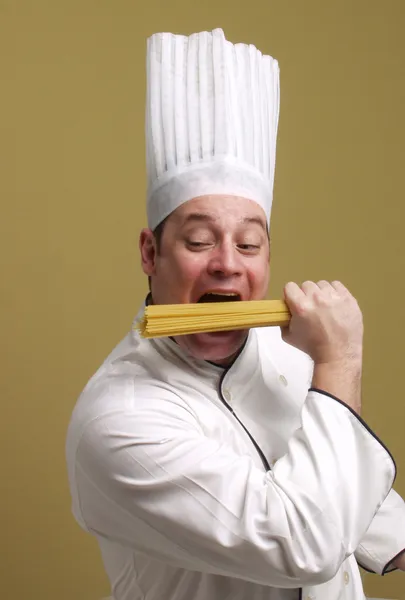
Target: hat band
x,y
219,177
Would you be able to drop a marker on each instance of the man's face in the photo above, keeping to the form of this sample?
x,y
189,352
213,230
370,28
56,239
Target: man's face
x,y
211,246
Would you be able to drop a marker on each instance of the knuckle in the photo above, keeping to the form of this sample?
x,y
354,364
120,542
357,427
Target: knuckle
x,y
303,307
321,298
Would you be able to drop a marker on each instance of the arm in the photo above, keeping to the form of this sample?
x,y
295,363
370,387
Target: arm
x,y
399,563
382,549
337,370
149,478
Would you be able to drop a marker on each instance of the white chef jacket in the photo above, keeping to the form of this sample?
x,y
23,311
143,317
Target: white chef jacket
x,y
205,483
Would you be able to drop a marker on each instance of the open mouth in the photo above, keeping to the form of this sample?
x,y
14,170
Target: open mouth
x,y
220,297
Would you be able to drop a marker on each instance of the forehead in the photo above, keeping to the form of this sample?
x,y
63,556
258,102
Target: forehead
x,y
220,209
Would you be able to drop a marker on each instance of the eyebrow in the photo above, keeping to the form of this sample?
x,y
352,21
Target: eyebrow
x,y
206,217
198,217
256,220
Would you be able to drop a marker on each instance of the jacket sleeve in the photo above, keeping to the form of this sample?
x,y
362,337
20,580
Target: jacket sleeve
x,y
385,538
148,478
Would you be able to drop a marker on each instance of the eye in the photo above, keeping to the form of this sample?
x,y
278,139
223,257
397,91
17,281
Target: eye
x,y
197,245
249,247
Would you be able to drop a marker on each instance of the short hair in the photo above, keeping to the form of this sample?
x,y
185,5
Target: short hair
x,y
158,234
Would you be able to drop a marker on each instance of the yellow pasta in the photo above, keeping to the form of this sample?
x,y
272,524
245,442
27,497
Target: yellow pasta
x,y
163,320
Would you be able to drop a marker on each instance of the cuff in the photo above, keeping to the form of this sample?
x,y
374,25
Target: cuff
x,y
312,389
389,567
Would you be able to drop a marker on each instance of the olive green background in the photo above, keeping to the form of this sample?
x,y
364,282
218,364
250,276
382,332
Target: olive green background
x,y
72,191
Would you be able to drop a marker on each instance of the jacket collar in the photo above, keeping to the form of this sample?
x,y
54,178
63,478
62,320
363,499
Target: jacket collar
x,y
245,363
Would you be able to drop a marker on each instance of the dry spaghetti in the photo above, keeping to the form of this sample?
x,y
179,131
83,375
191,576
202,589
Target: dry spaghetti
x,y
163,320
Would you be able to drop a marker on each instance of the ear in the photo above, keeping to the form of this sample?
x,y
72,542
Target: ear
x,y
147,248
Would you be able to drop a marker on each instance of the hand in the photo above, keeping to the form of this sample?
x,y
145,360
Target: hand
x,y
326,323
399,563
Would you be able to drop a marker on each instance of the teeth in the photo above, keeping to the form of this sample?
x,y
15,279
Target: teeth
x,y
222,294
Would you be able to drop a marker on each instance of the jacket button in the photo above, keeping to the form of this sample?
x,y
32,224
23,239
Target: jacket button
x,y
283,380
346,577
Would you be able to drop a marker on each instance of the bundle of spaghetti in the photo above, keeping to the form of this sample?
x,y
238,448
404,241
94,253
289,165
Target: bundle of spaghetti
x,y
165,320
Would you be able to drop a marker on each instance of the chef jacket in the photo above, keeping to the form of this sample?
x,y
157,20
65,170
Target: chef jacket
x,y
241,483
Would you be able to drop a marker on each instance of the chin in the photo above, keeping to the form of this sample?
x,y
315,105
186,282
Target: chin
x,y
218,347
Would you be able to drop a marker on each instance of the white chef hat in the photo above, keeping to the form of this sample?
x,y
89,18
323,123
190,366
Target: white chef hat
x,y
211,121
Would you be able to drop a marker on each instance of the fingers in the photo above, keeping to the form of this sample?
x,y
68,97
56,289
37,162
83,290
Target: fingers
x,y
309,287
294,295
326,321
323,284
339,287
301,297
296,292
293,292
312,289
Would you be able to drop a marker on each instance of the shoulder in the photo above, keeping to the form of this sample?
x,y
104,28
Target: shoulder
x,y
118,420
127,394
125,401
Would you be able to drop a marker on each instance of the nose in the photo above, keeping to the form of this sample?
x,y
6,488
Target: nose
x,y
225,261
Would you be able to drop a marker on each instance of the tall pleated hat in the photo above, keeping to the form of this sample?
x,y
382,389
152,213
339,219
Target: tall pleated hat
x,y
212,112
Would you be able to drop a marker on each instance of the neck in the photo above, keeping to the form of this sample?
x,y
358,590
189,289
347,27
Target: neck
x,y
224,363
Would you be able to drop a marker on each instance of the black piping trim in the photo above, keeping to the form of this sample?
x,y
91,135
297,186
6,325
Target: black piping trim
x,y
365,568
387,566
215,364
386,569
252,439
312,389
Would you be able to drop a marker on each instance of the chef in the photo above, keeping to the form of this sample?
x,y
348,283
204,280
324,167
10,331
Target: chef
x,y
236,465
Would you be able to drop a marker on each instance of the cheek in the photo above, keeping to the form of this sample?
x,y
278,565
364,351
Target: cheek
x,y
183,268
193,264
259,275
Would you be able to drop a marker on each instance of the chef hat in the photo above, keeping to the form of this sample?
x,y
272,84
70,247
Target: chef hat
x,y
211,121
